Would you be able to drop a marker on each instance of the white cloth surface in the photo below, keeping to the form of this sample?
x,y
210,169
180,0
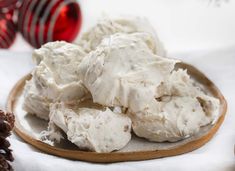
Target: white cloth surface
x,y
191,30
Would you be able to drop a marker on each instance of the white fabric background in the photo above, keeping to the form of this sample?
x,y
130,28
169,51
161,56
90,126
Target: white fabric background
x,y
198,33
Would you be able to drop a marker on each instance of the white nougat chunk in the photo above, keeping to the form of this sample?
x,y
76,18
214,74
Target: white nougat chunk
x,y
34,102
93,129
106,27
56,76
123,71
176,119
180,84
179,111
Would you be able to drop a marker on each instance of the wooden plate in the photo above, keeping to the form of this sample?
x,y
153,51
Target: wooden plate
x,y
28,128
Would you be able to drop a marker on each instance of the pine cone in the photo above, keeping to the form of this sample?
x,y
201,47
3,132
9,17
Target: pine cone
x,y
6,125
4,165
8,117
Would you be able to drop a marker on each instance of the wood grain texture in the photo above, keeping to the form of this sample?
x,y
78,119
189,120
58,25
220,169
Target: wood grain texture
x,y
121,156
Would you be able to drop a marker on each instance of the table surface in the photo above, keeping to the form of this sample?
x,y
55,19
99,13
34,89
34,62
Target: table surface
x,y
195,31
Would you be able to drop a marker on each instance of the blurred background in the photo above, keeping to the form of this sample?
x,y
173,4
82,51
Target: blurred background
x,y
182,25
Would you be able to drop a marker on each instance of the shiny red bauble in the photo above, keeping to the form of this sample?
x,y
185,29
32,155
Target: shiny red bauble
x,y
7,25
8,5
42,21
7,31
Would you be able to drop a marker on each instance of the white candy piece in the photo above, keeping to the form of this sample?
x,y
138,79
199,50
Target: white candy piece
x,y
180,84
178,118
34,103
123,71
106,27
92,129
56,76
180,110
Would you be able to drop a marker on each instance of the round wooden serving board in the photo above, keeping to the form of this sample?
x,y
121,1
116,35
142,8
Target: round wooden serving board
x,y
28,127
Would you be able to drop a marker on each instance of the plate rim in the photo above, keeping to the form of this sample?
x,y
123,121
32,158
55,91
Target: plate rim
x,y
120,156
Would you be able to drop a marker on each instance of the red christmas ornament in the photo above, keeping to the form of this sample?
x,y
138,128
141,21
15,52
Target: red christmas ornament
x,y
7,5
7,25
42,21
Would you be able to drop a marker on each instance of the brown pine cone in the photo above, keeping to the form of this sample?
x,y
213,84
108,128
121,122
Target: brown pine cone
x,y
5,128
4,149
4,165
6,125
8,117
